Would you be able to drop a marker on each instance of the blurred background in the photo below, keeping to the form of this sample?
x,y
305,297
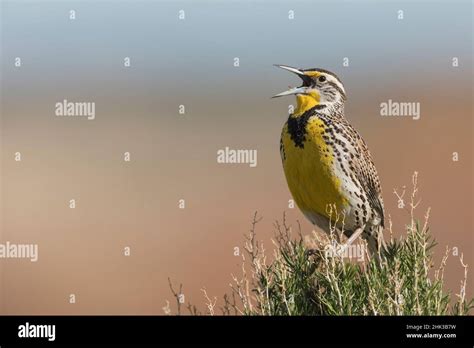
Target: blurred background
x,y
190,62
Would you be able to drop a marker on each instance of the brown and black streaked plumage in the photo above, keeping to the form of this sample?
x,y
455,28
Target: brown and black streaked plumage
x,y
326,161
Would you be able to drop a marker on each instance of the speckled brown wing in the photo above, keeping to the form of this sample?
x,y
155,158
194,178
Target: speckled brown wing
x,y
368,177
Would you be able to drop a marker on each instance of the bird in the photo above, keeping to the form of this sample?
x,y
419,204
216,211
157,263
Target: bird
x,y
328,164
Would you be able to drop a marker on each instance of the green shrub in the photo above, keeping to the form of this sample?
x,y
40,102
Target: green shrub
x,y
303,278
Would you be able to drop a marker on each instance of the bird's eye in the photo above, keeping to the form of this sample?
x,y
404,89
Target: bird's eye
x,y
322,78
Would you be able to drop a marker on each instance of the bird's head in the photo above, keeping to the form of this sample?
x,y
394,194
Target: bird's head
x,y
320,87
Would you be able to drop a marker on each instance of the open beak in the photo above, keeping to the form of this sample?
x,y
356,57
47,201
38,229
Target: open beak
x,y
295,90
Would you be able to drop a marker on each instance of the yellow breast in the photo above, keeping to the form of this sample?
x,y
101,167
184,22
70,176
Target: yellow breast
x,y
309,169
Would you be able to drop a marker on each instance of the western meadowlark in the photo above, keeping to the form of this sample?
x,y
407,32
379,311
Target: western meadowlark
x,y
327,163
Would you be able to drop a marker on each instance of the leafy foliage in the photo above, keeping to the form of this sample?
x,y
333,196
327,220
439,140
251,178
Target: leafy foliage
x,y
305,279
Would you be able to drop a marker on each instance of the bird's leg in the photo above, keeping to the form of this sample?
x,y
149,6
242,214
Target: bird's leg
x,y
352,238
355,235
